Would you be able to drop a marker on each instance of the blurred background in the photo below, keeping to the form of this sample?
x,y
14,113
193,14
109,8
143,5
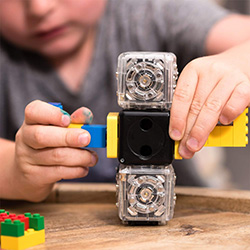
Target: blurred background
x,y
227,167
241,6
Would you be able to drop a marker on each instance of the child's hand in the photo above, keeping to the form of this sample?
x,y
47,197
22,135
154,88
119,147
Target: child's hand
x,y
47,151
210,89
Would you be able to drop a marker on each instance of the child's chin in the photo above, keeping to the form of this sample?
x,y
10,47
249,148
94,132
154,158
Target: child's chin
x,y
56,49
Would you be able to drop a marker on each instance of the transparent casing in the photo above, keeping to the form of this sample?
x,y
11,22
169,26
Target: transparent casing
x,y
146,193
146,80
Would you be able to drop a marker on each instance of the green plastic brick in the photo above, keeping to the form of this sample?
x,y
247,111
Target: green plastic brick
x,y
27,215
15,228
36,221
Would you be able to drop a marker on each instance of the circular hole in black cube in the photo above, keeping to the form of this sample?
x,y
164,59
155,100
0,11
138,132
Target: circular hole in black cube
x,y
145,151
146,124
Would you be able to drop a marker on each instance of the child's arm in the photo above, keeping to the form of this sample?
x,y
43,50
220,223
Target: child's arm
x,y
213,88
45,151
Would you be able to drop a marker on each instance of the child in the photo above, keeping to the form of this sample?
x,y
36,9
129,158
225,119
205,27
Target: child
x,y
66,50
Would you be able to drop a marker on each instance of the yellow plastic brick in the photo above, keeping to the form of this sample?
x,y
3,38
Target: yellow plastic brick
x,y
232,135
112,135
227,136
240,130
214,139
30,238
72,125
177,156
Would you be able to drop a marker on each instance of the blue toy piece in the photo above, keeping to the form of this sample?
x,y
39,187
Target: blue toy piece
x,y
56,104
98,135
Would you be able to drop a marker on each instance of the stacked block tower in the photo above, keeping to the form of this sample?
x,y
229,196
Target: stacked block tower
x,y
21,231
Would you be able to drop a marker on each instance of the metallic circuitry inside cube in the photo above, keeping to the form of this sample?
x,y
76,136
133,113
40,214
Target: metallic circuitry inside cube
x,y
146,193
146,80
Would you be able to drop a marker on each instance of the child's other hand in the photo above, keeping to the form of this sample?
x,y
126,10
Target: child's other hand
x,y
47,151
210,89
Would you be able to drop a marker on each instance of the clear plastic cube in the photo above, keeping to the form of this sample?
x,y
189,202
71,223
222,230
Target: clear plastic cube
x,y
146,193
146,80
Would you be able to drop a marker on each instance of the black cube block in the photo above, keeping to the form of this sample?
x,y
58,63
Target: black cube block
x,y
144,138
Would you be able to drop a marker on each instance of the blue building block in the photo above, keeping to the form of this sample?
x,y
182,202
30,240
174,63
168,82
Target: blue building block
x,y
98,135
56,104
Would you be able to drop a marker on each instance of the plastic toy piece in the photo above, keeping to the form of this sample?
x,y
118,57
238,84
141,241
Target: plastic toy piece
x,y
1,220
9,228
74,125
14,236
240,124
56,104
145,177
233,135
36,221
144,139
3,214
30,238
177,156
97,133
142,186
112,135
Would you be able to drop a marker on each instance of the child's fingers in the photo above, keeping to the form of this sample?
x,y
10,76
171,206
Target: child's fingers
x,y
209,114
63,173
40,136
239,100
203,90
47,175
82,115
182,99
185,152
38,112
69,157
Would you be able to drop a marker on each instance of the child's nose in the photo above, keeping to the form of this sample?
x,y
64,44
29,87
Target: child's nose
x,y
40,8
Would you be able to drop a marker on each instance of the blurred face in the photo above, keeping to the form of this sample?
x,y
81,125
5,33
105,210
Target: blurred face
x,y
50,27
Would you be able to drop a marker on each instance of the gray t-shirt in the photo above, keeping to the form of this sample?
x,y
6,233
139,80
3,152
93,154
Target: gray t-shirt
x,y
178,26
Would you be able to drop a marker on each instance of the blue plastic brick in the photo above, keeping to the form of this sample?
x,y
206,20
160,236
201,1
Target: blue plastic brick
x,y
98,135
56,104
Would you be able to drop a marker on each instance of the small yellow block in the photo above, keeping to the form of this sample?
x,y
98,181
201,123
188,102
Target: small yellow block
x,y
73,125
31,238
177,156
112,135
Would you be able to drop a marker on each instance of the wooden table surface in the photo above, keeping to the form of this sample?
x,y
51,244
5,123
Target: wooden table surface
x,y
84,216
